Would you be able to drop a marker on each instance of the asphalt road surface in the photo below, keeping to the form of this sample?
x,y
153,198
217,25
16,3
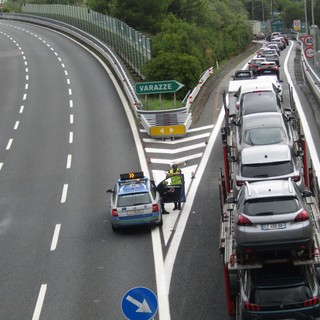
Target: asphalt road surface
x,y
64,140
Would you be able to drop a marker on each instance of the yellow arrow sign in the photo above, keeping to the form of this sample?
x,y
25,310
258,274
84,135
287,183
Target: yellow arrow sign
x,y
162,131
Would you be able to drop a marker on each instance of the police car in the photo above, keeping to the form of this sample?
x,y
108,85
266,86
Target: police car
x,y
135,200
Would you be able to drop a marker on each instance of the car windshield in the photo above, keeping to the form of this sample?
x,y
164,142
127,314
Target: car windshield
x,y
277,285
257,61
281,296
271,206
266,170
264,136
133,199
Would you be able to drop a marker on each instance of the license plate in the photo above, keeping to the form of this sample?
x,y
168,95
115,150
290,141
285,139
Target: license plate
x,y
273,226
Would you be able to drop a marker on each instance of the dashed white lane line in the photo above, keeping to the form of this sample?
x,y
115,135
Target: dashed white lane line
x,y
16,126
1,164
24,97
21,109
71,103
70,92
39,304
71,118
69,161
55,237
64,193
9,144
71,137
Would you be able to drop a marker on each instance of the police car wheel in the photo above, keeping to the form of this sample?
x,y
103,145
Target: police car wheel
x,y
114,228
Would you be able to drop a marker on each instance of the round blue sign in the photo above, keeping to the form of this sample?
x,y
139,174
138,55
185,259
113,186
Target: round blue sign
x,y
139,304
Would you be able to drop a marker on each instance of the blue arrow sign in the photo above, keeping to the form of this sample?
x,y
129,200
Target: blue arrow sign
x,y
139,304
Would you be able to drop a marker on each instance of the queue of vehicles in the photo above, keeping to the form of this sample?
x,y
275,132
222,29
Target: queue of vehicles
x,y
270,230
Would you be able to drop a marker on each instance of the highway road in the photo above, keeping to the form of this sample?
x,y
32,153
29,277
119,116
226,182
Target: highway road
x,y
64,139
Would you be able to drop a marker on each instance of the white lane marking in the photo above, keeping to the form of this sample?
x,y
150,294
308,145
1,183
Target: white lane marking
x,y
16,126
39,304
21,109
306,129
162,292
176,150
64,193
178,160
66,72
27,70
70,92
24,97
27,77
71,103
62,65
59,59
174,246
71,118
26,86
69,160
1,164
170,220
9,144
68,81
183,140
70,137
55,237
25,63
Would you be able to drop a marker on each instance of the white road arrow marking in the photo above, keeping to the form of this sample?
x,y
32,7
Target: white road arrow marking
x,y
143,307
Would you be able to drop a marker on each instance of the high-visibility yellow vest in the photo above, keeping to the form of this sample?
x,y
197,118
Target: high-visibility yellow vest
x,y
175,179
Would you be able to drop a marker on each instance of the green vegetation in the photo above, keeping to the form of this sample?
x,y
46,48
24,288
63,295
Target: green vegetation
x,y
189,36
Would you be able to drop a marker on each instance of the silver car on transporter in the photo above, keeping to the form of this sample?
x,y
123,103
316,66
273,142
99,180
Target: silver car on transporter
x,y
270,162
272,216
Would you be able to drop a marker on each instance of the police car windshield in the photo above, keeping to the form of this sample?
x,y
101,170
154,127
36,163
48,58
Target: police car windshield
x,y
133,199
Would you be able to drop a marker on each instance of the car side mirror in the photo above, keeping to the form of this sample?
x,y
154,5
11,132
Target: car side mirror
x,y
231,199
300,153
232,159
306,193
109,191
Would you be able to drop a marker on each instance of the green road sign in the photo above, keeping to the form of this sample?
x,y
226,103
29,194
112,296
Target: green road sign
x,y
158,87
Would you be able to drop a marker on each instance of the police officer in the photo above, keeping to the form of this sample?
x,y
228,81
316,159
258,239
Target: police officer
x,y
176,179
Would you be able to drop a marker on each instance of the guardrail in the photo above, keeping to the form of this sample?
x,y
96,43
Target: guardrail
x,y
172,119
311,76
99,47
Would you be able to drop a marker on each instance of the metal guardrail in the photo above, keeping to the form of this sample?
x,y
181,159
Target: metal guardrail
x,y
99,47
311,76
159,123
